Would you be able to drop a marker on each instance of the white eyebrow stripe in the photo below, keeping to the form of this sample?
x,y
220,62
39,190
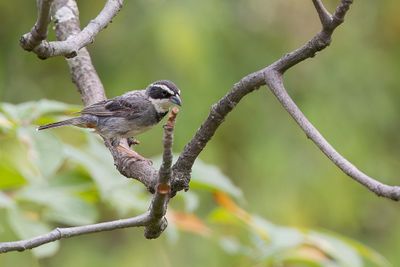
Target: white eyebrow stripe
x,y
164,87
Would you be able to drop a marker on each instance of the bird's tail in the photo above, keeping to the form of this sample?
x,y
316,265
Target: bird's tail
x,y
73,121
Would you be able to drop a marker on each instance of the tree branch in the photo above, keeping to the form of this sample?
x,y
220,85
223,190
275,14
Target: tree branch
x,y
69,47
162,195
324,16
61,233
272,76
218,112
274,80
38,32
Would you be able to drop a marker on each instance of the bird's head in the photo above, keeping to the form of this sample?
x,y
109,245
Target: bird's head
x,y
164,94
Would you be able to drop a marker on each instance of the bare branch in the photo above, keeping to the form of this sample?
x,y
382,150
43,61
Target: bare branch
x,y
275,82
273,77
70,46
340,12
246,85
218,112
38,32
162,195
61,233
87,81
324,16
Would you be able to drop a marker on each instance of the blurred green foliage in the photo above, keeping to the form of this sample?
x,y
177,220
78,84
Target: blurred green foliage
x,y
349,91
51,186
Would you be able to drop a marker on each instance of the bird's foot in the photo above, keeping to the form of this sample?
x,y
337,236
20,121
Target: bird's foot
x,y
133,154
133,141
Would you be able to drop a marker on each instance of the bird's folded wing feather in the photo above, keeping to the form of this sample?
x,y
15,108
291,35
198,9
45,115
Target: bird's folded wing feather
x,y
116,107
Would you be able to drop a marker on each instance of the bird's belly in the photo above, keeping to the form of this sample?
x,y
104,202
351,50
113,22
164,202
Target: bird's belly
x,y
136,131
121,127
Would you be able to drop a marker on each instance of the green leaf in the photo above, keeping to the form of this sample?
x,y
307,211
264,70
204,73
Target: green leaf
x,y
5,201
45,106
343,253
26,226
71,211
14,159
221,215
361,249
5,123
61,205
209,177
26,112
43,150
11,178
101,170
191,201
115,189
10,111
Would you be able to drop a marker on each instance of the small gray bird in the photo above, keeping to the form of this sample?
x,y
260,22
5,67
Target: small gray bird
x,y
127,115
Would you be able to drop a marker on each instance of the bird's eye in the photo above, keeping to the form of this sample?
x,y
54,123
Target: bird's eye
x,y
164,93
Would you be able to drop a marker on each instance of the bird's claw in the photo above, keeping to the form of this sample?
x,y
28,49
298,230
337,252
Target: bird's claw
x,y
133,141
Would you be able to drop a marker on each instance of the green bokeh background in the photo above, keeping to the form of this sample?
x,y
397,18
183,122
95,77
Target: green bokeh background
x,y
349,91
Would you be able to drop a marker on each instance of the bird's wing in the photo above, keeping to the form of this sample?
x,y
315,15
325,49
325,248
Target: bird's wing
x,y
122,106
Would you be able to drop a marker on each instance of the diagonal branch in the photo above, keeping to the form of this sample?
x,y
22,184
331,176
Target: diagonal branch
x,y
218,112
324,15
70,46
275,82
273,78
38,32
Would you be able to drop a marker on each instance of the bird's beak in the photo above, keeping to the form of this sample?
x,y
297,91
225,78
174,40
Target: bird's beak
x,y
175,99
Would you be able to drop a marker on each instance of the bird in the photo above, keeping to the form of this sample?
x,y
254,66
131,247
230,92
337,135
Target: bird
x,y
128,115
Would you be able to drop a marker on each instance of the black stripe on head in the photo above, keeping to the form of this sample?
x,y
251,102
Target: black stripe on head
x,y
162,89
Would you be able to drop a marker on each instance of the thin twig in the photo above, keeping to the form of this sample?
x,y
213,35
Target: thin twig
x,y
38,32
274,80
62,233
70,47
183,166
324,16
162,195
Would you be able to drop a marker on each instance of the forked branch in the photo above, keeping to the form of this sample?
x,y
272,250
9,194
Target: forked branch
x,y
35,40
274,80
38,32
273,77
